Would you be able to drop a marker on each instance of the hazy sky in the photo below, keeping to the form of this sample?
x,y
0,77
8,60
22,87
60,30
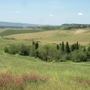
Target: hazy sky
x,y
45,11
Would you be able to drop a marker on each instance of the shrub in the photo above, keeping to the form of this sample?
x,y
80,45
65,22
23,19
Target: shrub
x,y
17,49
88,55
12,49
79,56
66,57
49,53
24,50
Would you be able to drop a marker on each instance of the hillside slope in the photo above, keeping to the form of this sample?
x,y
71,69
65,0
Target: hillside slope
x,y
61,75
81,35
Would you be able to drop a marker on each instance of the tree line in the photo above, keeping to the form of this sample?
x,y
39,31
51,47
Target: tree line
x,y
53,52
64,27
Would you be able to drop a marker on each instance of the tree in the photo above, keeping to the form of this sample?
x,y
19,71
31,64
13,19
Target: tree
x,y
73,47
57,47
88,48
33,43
24,50
67,48
77,45
62,47
36,45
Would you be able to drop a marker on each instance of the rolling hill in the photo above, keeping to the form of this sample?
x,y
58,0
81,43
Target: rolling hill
x,y
49,34
10,24
55,36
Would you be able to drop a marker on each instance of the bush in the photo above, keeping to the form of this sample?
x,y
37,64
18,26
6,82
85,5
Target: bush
x,y
24,50
12,49
79,56
88,55
49,53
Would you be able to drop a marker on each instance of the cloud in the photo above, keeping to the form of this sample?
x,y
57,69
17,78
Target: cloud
x,y
51,15
80,14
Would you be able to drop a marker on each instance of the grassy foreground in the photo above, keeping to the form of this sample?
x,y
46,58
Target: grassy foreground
x,y
61,75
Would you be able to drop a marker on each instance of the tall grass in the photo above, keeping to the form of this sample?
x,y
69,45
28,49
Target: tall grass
x,y
62,76
9,82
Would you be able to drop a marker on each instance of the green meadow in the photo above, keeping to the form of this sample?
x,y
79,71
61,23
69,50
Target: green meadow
x,y
61,75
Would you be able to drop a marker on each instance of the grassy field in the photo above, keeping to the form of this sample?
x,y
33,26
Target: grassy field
x,y
81,35
45,36
61,75
12,31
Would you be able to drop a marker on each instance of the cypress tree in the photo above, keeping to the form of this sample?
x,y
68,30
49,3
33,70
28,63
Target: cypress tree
x,y
77,45
63,47
57,47
33,43
67,48
36,45
73,47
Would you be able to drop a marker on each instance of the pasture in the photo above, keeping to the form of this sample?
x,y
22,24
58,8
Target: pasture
x,y
56,36
61,75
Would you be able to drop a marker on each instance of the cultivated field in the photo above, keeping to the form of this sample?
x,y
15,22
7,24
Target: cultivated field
x,y
56,36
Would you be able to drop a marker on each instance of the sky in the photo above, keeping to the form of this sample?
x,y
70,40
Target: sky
x,y
52,12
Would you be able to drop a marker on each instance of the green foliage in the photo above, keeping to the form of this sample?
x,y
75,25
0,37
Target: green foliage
x,y
74,26
62,46
75,46
36,45
89,48
88,55
65,57
58,47
62,52
49,53
79,56
17,49
67,48
12,49
24,50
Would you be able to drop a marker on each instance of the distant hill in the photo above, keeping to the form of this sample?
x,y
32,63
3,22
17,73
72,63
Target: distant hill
x,y
75,26
65,27
10,24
